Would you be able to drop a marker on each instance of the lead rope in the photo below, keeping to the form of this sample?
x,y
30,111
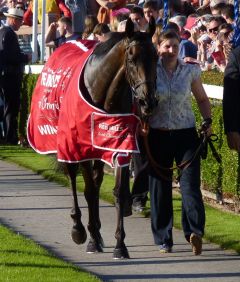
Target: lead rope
x,y
205,140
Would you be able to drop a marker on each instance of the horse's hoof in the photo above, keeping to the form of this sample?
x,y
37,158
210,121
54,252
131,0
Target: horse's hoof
x,y
121,254
94,247
79,235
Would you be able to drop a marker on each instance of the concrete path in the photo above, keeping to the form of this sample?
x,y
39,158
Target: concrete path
x,y
40,210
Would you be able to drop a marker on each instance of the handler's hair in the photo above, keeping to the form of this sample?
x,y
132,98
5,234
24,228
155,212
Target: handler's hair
x,y
166,35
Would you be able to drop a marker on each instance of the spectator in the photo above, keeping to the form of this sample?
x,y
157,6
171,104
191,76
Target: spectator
x,y
231,100
150,9
101,32
116,21
217,9
64,28
13,66
196,26
159,3
122,26
208,44
223,46
137,16
90,22
228,13
173,136
106,9
8,4
54,10
157,33
186,47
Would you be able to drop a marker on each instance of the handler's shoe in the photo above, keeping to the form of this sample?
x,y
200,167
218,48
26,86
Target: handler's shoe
x,y
196,242
164,249
138,207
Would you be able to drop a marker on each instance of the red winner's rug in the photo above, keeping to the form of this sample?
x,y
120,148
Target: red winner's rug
x,y
62,121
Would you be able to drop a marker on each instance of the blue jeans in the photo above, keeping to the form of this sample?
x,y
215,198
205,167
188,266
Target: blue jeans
x,y
167,147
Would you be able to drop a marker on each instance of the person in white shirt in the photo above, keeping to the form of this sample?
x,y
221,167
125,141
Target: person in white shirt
x,y
173,137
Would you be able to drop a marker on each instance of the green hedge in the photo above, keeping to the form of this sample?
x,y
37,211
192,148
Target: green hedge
x,y
218,178
28,84
223,178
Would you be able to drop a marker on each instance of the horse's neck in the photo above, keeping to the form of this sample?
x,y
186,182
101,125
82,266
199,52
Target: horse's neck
x,y
105,80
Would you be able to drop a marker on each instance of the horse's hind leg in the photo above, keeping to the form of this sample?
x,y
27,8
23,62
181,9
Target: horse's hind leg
x,y
79,234
121,192
93,176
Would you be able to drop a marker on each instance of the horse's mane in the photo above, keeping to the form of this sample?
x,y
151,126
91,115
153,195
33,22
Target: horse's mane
x,y
104,47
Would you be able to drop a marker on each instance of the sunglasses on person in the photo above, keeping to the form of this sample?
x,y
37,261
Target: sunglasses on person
x,y
214,29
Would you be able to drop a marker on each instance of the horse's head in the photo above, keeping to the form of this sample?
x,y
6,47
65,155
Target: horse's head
x,y
140,65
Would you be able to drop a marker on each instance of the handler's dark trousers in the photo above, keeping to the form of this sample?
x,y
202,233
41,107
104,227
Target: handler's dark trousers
x,y
140,185
167,146
11,85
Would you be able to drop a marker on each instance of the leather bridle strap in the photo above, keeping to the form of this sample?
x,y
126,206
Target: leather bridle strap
x,y
135,87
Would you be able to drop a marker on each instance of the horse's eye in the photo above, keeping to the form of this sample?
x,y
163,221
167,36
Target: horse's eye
x,y
141,102
131,61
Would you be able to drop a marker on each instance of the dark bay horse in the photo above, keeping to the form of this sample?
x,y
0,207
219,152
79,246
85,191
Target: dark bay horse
x,y
114,77
123,66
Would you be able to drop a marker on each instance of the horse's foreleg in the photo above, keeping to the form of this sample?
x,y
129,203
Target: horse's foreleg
x,y
93,177
79,234
122,194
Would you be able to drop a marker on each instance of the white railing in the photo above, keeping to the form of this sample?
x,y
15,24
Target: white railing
x,y
212,91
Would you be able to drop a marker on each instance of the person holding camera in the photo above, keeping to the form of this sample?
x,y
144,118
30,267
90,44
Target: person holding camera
x,y
173,137
208,42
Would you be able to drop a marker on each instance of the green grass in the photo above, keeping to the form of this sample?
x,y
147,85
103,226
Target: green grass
x,y
23,260
222,227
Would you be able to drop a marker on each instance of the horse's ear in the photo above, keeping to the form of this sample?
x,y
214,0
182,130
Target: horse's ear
x,y
129,28
151,26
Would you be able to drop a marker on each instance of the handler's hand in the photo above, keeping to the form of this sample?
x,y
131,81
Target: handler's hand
x,y
233,139
209,131
144,129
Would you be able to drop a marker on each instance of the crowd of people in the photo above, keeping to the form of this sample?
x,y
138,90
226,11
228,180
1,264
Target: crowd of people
x,y
198,36
205,27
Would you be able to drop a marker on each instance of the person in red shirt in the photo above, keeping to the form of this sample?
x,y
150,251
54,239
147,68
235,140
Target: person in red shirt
x,y
56,7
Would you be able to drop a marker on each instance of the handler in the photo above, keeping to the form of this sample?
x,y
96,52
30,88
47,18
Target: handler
x,y
13,61
173,137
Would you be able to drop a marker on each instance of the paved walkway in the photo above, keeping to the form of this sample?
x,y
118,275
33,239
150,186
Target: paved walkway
x,y
40,210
